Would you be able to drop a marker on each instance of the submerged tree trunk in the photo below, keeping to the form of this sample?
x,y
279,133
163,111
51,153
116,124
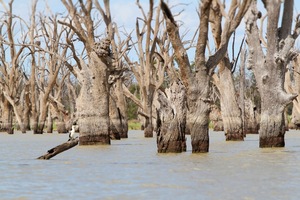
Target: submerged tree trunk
x,y
93,101
272,127
42,116
197,81
251,118
199,109
216,118
148,106
6,123
122,106
269,68
115,120
171,119
292,85
49,122
231,113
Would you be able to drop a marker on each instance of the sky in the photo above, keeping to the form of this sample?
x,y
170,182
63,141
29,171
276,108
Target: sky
x,y
124,13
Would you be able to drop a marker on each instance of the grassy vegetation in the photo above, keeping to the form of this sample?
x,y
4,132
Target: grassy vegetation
x,y
210,125
134,125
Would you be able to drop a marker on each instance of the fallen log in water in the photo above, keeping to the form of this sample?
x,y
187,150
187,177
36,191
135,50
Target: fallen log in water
x,y
60,148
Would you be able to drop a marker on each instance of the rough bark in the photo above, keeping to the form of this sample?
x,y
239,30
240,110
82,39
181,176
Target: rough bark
x,y
6,117
93,101
251,117
231,113
198,82
199,109
216,119
118,115
117,112
292,86
115,120
171,119
269,70
122,108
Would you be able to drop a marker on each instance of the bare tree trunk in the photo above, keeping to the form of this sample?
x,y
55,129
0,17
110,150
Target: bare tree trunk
x,y
216,119
122,106
148,130
49,122
6,124
199,109
198,83
242,88
292,85
93,101
251,117
231,113
269,68
26,111
272,128
171,119
42,115
115,121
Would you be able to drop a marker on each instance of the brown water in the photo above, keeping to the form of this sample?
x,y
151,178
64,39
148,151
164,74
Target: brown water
x,y
131,169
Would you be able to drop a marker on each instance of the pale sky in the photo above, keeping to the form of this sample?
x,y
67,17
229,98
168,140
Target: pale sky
x,y
124,13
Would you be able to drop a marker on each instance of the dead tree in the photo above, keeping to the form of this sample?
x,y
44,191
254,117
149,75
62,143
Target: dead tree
x,y
250,115
269,66
119,47
48,69
93,101
148,71
14,82
171,119
198,81
59,149
292,86
231,114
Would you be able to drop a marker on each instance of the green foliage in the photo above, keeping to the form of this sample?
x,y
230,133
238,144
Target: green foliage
x,y
134,125
132,108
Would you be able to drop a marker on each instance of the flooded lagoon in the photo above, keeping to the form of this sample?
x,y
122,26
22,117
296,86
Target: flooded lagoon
x,y
131,169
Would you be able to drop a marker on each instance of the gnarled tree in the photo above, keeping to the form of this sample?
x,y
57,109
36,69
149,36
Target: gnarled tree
x,y
197,81
93,101
171,119
269,66
14,84
231,114
149,70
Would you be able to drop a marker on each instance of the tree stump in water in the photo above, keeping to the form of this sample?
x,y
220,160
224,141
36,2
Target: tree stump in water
x,y
171,119
59,149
